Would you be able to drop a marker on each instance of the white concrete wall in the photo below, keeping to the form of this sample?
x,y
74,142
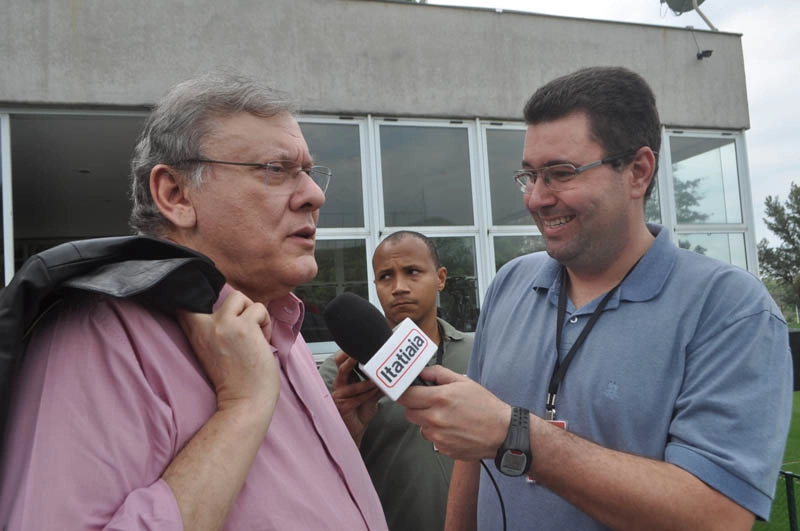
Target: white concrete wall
x,y
352,56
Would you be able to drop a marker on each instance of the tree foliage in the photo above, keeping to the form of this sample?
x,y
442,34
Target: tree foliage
x,y
782,263
687,201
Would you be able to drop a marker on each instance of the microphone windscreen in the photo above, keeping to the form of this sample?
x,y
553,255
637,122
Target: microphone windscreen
x,y
357,326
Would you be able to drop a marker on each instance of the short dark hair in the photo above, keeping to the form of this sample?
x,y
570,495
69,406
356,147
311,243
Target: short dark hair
x,y
619,104
402,234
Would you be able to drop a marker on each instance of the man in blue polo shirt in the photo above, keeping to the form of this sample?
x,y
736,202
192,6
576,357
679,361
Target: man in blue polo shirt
x,y
616,380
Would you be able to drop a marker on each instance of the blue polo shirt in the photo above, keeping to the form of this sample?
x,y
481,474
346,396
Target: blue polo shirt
x,y
689,363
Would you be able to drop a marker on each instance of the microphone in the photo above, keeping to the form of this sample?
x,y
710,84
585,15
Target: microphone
x,y
391,359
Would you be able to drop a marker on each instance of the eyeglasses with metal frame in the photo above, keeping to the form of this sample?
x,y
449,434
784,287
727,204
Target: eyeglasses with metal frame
x,y
281,176
559,177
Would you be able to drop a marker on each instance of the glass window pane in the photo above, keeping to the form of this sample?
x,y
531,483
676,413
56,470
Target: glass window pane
x,y
706,181
458,302
342,267
504,151
70,178
509,247
2,226
338,146
652,208
70,175
426,176
726,247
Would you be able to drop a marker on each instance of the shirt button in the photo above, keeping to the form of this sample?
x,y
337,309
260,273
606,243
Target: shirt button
x,y
574,320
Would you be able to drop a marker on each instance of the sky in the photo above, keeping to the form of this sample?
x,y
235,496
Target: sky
x,y
772,69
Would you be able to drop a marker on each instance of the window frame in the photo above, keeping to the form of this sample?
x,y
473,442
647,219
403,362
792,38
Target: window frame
x,y
7,198
483,231
667,198
477,183
494,230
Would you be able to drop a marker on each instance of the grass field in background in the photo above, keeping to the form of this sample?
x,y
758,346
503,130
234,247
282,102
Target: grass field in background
x,y
779,519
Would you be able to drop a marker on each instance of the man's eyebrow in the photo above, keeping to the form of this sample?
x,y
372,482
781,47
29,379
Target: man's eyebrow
x,y
415,265
552,162
286,156
404,267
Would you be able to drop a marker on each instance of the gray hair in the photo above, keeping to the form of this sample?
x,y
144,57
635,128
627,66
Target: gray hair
x,y
178,126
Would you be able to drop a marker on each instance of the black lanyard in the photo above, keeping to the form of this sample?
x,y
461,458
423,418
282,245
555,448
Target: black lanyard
x,y
560,368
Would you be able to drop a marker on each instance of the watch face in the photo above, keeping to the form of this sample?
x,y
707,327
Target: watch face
x,y
513,463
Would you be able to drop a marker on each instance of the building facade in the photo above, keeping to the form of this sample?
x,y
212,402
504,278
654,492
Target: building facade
x,y
416,108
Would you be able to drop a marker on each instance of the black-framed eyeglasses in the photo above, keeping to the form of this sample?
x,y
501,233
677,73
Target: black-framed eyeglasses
x,y
559,177
281,176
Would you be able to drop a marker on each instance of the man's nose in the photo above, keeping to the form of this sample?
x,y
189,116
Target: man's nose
x,y
308,193
540,195
400,285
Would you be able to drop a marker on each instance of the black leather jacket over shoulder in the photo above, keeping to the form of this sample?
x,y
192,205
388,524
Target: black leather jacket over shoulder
x,y
157,271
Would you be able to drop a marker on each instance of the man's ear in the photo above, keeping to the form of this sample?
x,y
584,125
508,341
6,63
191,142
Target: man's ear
x,y
442,274
170,193
642,172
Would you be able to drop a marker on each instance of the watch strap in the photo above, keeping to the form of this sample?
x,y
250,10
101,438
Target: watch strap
x,y
516,445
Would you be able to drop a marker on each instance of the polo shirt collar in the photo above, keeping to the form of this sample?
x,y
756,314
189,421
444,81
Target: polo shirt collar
x,y
643,283
449,331
651,273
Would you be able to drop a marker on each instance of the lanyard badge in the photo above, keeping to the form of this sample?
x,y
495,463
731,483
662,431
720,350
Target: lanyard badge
x,y
560,368
550,412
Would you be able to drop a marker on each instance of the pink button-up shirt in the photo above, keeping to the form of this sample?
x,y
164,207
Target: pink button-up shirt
x,y
111,392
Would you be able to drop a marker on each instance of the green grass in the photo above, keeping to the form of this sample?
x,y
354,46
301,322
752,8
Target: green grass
x,y
779,518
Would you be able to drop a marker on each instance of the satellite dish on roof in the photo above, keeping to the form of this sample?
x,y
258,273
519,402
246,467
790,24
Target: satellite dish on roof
x,y
682,6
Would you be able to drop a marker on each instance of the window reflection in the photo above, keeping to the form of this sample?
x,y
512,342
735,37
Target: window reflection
x,y
504,150
2,226
507,248
338,147
57,197
725,247
652,208
342,267
458,302
706,183
426,176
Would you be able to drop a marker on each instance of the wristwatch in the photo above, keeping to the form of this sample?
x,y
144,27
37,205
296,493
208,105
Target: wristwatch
x,y
514,455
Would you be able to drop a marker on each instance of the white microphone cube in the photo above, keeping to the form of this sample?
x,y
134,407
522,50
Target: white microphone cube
x,y
400,360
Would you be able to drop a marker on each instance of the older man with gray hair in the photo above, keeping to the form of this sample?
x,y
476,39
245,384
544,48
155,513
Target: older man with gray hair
x,y
128,418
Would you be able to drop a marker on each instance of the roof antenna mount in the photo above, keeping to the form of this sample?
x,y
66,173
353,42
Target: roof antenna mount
x,y
682,6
